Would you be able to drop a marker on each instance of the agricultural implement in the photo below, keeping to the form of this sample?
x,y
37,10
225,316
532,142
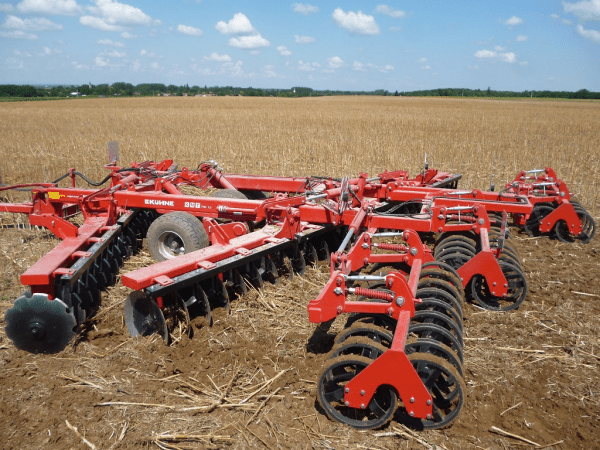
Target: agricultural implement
x,y
248,230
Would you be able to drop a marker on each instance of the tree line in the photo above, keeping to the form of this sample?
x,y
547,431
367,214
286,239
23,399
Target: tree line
x,y
149,89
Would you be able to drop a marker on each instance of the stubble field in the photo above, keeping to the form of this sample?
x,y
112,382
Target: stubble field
x,y
249,381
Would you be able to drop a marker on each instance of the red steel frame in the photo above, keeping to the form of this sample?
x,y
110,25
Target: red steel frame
x,y
155,186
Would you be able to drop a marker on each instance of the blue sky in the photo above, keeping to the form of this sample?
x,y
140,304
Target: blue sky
x,y
347,45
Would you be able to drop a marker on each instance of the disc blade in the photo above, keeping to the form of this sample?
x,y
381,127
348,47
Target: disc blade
x,y
37,324
143,317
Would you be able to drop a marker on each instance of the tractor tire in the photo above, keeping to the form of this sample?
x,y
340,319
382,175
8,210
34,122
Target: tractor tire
x,y
229,193
174,234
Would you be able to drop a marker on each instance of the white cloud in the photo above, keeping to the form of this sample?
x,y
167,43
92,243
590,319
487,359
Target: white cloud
x,y
358,66
99,24
13,63
191,31
308,67
239,25
426,67
35,24
386,69
255,41
269,72
235,70
101,61
6,7
508,57
18,34
555,16
592,35
481,54
136,65
58,7
45,52
304,39
116,54
115,13
567,22
78,66
514,20
151,54
20,53
216,57
421,60
335,62
128,35
305,9
499,48
356,23
155,65
283,50
389,11
585,10
110,43
522,38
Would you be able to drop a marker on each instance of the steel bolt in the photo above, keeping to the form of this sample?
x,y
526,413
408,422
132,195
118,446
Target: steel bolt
x,y
366,261
400,301
494,283
339,309
347,403
505,285
365,246
413,251
347,390
428,402
429,416
412,399
493,293
339,281
390,283
390,311
412,414
338,291
441,217
562,194
362,392
362,406
480,221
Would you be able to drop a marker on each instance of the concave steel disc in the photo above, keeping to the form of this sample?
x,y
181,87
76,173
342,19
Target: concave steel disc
x,y
37,324
143,317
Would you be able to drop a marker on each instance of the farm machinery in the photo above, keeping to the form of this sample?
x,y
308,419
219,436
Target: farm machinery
x,y
403,337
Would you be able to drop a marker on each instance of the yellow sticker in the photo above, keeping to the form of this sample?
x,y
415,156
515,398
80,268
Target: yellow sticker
x,y
55,195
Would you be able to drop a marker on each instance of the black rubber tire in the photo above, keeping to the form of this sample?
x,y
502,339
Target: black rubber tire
x,y
229,193
256,195
178,228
